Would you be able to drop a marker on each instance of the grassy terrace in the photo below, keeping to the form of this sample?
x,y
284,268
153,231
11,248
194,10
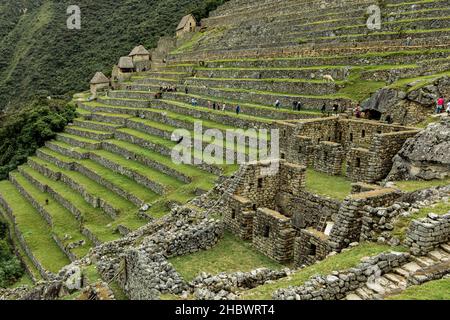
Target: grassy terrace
x,y
35,231
412,185
330,57
342,261
402,223
385,33
152,139
23,256
116,179
64,223
356,26
202,179
336,187
231,102
419,82
89,185
94,219
222,258
433,290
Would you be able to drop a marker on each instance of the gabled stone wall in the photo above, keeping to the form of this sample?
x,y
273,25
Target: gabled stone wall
x,y
273,235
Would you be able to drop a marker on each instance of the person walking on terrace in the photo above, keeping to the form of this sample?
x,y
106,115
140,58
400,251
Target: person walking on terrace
x,y
186,90
209,104
238,109
224,107
277,104
448,109
214,106
440,105
357,111
295,105
324,108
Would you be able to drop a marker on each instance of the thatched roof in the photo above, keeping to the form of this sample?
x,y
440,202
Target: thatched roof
x,y
185,20
98,78
139,50
126,63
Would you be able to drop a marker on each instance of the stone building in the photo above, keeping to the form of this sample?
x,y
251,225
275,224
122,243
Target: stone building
x,y
126,67
362,150
287,222
99,82
141,58
187,24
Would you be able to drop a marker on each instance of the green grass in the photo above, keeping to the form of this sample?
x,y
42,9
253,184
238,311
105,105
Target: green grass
x,y
342,261
419,82
415,185
91,186
336,187
229,255
64,223
402,223
94,218
35,231
433,290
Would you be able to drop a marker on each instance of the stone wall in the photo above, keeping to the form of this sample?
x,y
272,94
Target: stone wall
x,y
310,246
425,234
336,285
348,222
273,235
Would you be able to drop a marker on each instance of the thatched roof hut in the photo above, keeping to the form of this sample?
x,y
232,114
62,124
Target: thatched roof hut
x,y
99,78
126,63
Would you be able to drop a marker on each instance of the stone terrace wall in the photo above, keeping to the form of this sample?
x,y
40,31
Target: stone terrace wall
x,y
426,234
347,227
336,285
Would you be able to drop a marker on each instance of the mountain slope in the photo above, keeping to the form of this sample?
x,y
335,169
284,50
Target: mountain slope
x,y
40,56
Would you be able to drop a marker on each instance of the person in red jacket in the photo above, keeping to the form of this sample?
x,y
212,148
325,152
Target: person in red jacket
x,y
440,105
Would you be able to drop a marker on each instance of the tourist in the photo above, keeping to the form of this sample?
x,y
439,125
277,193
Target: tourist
x,y
186,90
214,106
277,104
194,102
336,108
238,109
357,111
209,104
295,105
448,109
324,108
46,202
299,106
224,107
440,105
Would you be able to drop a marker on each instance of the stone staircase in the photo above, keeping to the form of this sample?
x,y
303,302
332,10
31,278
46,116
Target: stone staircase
x,y
418,271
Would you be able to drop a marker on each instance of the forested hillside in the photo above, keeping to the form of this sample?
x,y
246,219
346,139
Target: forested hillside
x,y
40,56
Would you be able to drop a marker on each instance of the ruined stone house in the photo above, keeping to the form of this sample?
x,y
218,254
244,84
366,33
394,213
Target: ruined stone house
x,y
99,82
187,24
141,58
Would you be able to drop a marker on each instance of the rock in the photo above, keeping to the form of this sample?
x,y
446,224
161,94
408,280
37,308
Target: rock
x,y
424,157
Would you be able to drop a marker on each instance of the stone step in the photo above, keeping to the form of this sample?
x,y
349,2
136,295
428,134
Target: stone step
x,y
353,296
365,293
411,267
439,255
424,262
396,279
445,247
402,272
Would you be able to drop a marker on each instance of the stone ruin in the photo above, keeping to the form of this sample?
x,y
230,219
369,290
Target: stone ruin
x,y
365,148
